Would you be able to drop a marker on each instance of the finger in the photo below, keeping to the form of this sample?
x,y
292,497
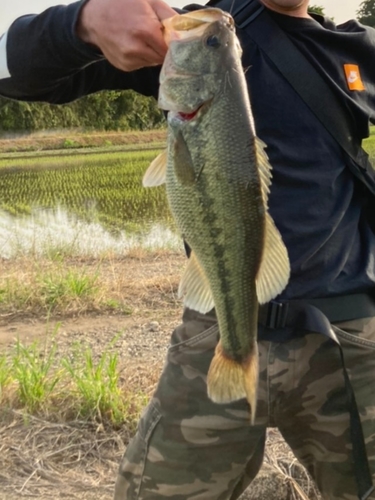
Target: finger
x,y
132,62
153,39
162,10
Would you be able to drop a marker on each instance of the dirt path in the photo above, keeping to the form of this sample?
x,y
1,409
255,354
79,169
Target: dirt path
x,y
42,459
33,463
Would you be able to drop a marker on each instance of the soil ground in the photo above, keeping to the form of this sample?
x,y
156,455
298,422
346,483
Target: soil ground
x,y
43,459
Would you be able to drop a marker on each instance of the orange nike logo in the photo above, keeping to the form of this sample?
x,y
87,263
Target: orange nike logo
x,y
353,77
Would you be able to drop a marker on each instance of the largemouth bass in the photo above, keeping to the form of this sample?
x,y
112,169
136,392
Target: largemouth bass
x,y
217,177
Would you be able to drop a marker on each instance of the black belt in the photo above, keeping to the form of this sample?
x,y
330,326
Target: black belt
x,y
283,320
281,314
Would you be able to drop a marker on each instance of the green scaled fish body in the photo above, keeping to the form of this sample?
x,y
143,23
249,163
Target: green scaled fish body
x,y
217,177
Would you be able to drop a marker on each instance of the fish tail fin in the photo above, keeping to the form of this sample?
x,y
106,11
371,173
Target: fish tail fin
x,y
229,380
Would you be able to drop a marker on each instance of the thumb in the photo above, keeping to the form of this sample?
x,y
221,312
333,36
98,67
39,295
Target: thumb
x,y
162,10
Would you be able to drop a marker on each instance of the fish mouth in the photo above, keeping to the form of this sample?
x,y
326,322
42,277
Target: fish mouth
x,y
193,24
189,116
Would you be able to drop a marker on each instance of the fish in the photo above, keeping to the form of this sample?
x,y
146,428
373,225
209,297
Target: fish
x,y
218,176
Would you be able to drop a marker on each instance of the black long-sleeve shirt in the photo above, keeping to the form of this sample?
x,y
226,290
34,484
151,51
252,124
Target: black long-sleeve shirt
x,y
315,201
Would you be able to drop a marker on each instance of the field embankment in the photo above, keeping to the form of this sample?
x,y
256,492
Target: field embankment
x,y
65,141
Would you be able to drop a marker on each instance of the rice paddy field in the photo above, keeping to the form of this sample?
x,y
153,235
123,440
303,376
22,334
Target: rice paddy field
x,y
88,201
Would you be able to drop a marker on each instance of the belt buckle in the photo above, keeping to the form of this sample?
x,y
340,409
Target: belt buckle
x,y
277,313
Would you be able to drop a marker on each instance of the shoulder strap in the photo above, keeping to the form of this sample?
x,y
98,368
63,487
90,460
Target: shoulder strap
x,y
305,80
244,12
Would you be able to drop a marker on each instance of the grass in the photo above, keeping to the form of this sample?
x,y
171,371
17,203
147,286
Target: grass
x,y
59,141
35,379
45,286
30,369
67,287
97,392
60,285
369,145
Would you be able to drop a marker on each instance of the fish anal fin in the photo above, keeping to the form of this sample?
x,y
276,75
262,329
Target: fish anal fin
x,y
195,288
274,271
229,380
156,172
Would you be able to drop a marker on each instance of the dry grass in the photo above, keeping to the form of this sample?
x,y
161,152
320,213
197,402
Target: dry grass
x,y
39,286
82,460
68,139
76,455
54,453
281,459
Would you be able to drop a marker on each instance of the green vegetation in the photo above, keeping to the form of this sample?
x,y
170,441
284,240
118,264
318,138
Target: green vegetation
x,y
37,380
97,388
317,9
110,110
366,13
98,187
56,284
369,145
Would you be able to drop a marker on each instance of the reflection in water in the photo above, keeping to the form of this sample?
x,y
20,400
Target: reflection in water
x,y
54,230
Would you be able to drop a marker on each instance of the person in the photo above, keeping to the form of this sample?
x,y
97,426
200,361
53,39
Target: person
x,y
187,447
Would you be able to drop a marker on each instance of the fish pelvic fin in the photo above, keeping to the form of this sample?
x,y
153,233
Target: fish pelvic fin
x,y
229,380
274,271
156,173
195,288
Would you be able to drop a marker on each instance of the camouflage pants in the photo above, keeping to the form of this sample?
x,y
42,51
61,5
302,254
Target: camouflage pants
x,y
188,448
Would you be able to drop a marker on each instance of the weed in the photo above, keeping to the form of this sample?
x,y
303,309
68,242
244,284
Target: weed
x,y
32,370
5,375
66,288
70,143
97,385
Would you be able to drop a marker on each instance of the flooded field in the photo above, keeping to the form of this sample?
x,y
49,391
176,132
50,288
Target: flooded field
x,y
82,203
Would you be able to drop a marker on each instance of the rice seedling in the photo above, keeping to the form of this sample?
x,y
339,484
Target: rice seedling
x,y
97,189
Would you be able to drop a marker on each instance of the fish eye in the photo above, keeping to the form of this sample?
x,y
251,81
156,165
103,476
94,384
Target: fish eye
x,y
213,41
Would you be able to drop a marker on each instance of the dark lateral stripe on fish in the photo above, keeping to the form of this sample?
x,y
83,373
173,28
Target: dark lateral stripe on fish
x,y
210,218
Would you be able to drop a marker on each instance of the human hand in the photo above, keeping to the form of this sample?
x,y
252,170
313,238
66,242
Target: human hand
x,y
128,32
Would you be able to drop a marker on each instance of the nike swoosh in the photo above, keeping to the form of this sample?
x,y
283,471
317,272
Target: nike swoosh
x,y
352,79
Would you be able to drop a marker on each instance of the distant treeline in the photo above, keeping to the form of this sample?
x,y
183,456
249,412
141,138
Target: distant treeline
x,y
110,110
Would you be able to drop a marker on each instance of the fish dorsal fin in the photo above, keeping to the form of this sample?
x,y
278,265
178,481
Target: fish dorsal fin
x,y
274,271
194,287
155,174
264,169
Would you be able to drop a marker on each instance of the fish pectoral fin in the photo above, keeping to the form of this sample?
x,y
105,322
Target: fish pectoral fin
x,y
156,172
229,380
194,287
274,271
183,163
